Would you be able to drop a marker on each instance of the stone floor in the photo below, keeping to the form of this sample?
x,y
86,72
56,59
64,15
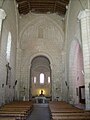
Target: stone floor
x,y
81,106
40,112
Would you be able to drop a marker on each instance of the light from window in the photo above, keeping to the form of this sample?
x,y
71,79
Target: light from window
x,y
41,78
8,47
34,80
48,79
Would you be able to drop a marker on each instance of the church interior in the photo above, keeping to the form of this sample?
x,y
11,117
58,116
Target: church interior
x,y
45,59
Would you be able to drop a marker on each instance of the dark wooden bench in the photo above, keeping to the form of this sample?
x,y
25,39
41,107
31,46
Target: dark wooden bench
x,y
64,111
7,118
71,118
16,110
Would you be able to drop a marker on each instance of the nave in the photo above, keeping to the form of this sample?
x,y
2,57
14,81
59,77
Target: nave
x,y
54,110
40,112
45,51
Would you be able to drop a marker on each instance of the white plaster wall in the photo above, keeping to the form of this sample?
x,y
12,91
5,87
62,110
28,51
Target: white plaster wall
x,y
72,32
9,24
85,30
34,42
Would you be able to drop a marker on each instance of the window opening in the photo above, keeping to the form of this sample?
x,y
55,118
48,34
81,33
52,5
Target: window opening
x,y
8,51
41,78
34,80
48,79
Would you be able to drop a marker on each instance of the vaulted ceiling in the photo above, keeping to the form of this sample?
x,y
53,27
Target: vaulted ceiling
x,y
42,6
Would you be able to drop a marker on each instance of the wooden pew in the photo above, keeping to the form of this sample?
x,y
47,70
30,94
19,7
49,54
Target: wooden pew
x,y
68,116
63,111
71,118
18,110
14,115
7,118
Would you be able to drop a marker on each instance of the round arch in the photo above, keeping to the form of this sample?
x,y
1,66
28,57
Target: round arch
x,y
41,54
33,21
40,64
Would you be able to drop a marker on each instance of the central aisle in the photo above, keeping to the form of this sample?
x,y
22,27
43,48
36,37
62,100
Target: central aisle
x,y
40,112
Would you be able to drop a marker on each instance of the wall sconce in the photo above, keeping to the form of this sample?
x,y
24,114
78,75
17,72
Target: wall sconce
x,y
24,88
9,86
83,72
15,82
3,85
56,88
77,78
66,84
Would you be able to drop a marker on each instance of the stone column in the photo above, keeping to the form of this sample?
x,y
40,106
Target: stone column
x,y
2,17
84,18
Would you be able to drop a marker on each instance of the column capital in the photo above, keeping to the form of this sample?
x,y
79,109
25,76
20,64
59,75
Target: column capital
x,y
83,14
2,14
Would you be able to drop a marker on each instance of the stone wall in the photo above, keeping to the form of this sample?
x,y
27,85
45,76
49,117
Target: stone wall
x,y
9,25
73,35
41,35
84,18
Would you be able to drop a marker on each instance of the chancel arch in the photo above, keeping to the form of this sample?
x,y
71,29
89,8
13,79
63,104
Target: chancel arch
x,y
41,37
40,79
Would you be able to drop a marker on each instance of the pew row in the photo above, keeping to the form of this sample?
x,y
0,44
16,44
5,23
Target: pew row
x,y
61,110
18,110
7,118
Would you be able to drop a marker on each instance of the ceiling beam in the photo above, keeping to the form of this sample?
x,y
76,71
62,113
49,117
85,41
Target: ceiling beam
x,y
42,6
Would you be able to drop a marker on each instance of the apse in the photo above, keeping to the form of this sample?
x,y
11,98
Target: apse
x,y
40,76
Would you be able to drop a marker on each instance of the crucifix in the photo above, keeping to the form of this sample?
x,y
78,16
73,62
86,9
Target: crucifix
x,y
8,76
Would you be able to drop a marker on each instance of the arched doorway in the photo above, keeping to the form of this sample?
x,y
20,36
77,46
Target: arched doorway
x,y
40,77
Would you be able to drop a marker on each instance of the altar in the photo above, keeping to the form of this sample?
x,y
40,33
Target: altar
x,y
40,99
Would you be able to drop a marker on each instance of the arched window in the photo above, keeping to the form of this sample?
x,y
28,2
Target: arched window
x,y
48,79
34,80
8,50
41,78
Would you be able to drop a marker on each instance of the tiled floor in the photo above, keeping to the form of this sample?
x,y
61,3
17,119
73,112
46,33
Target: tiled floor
x,y
40,112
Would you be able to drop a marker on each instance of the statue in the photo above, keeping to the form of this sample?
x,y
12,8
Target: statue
x,y
41,98
41,95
